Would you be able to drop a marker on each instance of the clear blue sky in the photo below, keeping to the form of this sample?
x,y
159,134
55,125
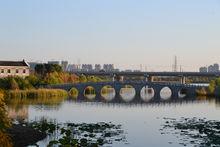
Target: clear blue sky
x,y
124,32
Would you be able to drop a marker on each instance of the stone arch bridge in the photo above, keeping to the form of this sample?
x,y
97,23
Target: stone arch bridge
x,y
176,89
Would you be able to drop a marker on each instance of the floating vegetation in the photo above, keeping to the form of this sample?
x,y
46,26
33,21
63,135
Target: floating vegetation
x,y
81,134
194,131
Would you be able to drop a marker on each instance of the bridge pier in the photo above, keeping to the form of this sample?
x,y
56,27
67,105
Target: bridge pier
x,y
175,93
138,89
191,91
157,90
81,95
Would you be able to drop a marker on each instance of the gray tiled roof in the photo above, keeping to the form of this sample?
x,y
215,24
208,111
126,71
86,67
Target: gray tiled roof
x,y
13,63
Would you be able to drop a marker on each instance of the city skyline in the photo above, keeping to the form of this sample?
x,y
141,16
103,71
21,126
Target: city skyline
x,y
125,33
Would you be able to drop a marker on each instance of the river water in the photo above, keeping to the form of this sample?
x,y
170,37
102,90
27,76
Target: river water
x,y
141,121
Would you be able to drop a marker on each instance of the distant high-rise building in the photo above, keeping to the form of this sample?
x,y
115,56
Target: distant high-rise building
x,y
108,67
87,67
54,62
213,68
64,65
72,68
98,67
216,67
203,69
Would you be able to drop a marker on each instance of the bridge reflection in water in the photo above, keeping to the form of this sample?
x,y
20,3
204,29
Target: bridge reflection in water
x,y
18,109
130,91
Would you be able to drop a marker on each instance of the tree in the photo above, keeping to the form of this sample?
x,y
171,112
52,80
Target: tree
x,y
40,69
82,78
4,120
44,69
73,78
217,81
53,78
5,123
33,80
14,84
50,68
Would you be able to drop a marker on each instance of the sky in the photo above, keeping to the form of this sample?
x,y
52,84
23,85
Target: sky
x,y
127,33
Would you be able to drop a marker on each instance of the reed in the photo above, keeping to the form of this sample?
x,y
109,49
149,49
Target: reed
x,y
36,93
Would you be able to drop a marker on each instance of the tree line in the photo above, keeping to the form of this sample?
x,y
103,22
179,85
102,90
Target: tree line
x,y
45,74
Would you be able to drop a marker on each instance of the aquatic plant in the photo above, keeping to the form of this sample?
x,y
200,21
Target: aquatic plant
x,y
81,134
195,131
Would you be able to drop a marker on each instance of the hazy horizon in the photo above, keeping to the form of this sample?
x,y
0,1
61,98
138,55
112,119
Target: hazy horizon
x,y
126,33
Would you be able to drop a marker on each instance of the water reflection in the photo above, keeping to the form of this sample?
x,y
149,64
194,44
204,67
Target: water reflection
x,y
17,108
141,119
108,93
147,93
127,93
165,93
90,93
170,102
19,113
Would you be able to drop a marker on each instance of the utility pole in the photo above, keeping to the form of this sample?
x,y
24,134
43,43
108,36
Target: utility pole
x,y
181,68
175,66
78,63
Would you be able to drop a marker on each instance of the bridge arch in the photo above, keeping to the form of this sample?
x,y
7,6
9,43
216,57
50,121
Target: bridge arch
x,y
89,92
147,93
127,93
108,92
166,93
182,93
74,92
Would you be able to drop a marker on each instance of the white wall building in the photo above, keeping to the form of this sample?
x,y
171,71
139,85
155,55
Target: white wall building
x,y
14,68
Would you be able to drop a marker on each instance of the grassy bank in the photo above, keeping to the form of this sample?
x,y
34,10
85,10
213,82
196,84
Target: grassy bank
x,y
213,89
204,92
35,93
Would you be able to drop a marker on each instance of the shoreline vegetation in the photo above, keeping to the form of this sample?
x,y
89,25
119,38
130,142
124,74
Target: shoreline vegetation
x,y
45,74
36,93
212,91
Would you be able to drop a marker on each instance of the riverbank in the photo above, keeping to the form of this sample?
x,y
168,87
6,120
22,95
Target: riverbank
x,y
24,135
213,90
208,93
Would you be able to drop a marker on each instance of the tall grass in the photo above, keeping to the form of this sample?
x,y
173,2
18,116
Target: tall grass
x,y
36,93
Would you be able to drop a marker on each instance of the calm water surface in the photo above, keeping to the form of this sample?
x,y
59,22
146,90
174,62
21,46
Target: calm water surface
x,y
140,121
